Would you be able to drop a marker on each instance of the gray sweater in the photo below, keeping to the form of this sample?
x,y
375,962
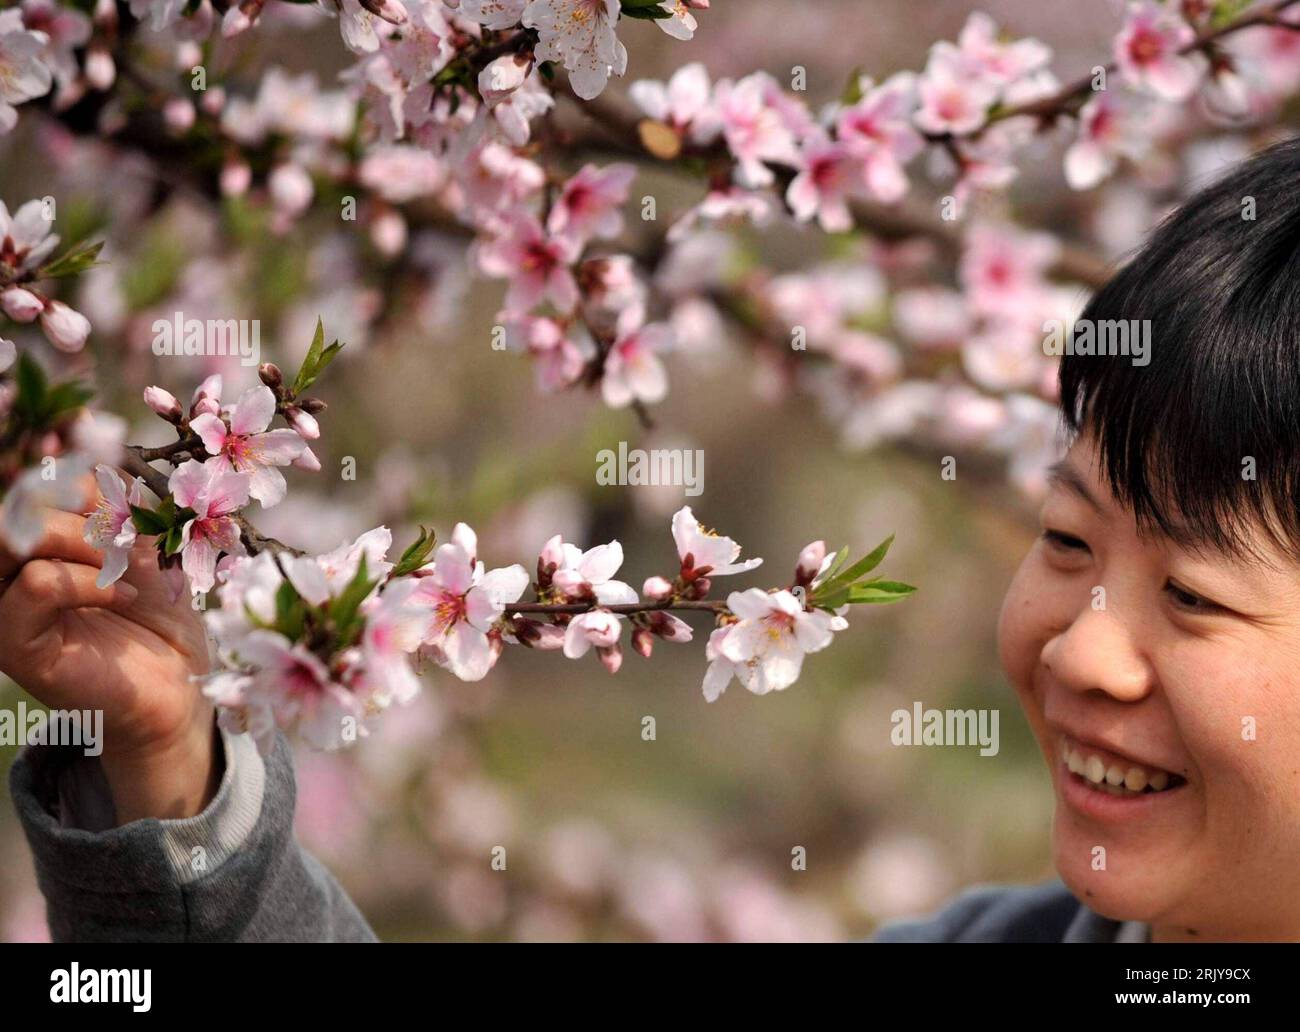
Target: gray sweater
x,y
236,872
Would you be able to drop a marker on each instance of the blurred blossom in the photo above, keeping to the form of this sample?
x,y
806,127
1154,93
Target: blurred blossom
x,y
577,858
899,875
662,899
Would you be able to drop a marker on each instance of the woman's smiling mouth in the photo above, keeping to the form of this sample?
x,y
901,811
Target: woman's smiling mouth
x,y
1106,786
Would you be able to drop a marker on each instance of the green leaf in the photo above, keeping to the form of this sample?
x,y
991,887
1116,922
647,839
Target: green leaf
x,y
879,592
863,566
311,358
149,522
65,397
343,609
76,259
290,611
416,554
172,542
646,13
29,405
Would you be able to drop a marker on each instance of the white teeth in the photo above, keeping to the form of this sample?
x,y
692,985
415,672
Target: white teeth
x,y
1112,778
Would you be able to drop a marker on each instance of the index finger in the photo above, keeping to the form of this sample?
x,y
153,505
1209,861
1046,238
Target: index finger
x,y
63,539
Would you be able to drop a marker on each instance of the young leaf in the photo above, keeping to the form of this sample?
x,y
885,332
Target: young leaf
x,y
77,258
310,359
148,522
879,592
416,554
343,609
863,566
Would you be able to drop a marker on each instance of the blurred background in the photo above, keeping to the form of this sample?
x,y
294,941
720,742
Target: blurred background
x,y
689,836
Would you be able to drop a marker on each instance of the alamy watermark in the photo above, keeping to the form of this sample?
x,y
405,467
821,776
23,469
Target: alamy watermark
x,y
671,467
75,984
209,337
1112,337
921,726
84,728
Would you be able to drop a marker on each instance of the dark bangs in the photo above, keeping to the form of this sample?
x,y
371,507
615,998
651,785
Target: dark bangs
x,y
1218,403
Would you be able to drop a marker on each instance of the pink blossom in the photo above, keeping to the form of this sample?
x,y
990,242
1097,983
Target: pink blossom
x,y
684,102
980,44
580,35
830,173
23,75
698,548
215,496
465,604
25,237
591,573
538,266
493,14
1149,51
952,100
1003,270
22,306
599,629
767,645
758,128
633,371
242,443
879,129
588,206
1108,130
558,361
110,527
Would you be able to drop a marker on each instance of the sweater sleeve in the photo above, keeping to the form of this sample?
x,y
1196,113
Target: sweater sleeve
x,y
234,872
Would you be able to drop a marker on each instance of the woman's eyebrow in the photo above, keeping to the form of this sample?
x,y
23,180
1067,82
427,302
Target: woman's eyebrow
x,y
1065,475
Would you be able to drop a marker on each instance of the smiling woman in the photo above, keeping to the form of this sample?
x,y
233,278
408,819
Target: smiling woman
x,y
1151,632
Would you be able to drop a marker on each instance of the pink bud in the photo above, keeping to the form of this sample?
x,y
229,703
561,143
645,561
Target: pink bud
x,y
549,638
391,11
164,403
388,233
64,327
656,589
21,305
305,424
670,628
611,657
553,551
291,189
810,562
213,100
178,115
236,177
643,641
101,71
207,397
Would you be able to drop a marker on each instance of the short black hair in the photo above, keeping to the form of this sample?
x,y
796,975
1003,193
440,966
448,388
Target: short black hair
x,y
1219,280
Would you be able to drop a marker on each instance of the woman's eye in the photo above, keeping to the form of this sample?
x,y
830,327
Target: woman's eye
x,y
1064,542
1185,599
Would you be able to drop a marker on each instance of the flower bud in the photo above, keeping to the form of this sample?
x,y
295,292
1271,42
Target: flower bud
x,y
207,397
391,11
178,115
656,589
164,403
643,641
236,177
810,563
670,627
21,305
64,327
291,189
101,71
269,373
313,405
611,656
305,424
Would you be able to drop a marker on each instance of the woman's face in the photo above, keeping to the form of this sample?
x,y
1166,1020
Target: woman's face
x,y
1142,663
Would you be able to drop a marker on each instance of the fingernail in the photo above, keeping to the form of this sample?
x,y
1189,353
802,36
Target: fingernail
x,y
127,592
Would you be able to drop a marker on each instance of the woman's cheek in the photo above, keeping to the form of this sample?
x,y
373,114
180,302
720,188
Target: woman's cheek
x,y
1023,625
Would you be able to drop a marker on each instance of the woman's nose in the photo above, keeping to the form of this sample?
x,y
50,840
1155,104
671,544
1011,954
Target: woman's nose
x,y
1098,652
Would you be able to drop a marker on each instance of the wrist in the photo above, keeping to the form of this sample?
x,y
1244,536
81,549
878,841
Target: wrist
x,y
169,780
